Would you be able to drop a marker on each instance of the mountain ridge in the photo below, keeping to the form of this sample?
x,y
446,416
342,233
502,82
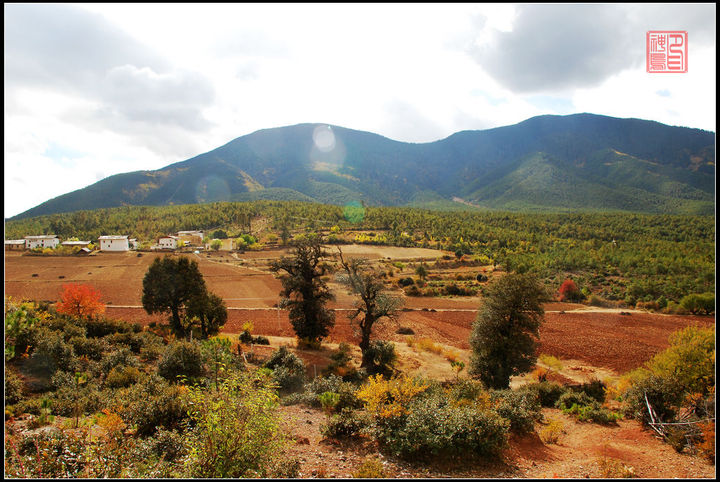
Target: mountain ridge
x,y
599,163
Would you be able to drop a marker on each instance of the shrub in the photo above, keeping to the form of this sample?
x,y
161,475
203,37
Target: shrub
x,y
332,383
48,454
169,445
699,303
433,427
389,398
347,423
686,367
570,398
328,401
548,392
100,327
550,434
13,387
119,357
237,431
585,408
151,404
406,282
261,340
51,353
664,394
93,348
245,337
382,357
288,369
181,359
569,292
520,407
707,444
403,330
371,468
614,469
132,340
122,377
595,389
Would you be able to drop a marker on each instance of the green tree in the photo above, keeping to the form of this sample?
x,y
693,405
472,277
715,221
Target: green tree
x,y
304,292
374,303
216,244
421,271
504,332
208,311
169,285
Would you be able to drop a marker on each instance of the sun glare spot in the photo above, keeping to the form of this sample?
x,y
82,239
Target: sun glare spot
x,y
324,138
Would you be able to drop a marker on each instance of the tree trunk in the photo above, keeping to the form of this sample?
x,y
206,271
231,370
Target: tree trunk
x,y
366,330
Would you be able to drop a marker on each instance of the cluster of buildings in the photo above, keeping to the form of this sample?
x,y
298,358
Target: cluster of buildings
x,y
112,243
105,243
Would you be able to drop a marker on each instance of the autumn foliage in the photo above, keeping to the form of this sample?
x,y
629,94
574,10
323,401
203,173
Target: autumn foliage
x,y
80,300
569,291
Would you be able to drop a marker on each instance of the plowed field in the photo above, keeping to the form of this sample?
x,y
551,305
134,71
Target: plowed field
x,y
602,339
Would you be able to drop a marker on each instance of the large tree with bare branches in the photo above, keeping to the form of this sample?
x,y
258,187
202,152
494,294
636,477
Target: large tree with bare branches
x,y
374,303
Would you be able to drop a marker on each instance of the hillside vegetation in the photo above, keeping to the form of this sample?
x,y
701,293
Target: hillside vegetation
x,y
558,163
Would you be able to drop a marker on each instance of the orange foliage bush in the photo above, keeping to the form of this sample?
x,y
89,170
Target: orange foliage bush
x,y
80,300
569,291
707,446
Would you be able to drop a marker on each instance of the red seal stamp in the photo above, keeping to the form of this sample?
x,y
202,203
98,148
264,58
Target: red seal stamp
x,y
667,51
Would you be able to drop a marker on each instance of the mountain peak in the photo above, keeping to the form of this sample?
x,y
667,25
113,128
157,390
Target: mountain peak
x,y
333,164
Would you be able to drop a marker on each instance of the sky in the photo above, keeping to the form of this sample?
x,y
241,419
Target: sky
x,y
93,90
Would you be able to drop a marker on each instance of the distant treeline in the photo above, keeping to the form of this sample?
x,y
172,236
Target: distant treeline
x,y
633,257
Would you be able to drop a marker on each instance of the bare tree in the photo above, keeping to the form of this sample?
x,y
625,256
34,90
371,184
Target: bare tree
x,y
374,303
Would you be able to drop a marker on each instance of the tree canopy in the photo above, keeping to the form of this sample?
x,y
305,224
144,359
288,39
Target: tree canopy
x,y
169,285
504,334
80,300
304,292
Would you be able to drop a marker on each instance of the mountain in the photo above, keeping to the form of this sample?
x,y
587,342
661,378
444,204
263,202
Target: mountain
x,y
546,163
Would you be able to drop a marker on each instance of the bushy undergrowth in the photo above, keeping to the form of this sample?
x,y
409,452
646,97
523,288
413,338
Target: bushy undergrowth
x,y
288,370
237,432
681,378
181,359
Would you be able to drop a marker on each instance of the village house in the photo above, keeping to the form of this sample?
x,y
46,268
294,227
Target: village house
x,y
114,243
168,242
45,241
15,244
191,238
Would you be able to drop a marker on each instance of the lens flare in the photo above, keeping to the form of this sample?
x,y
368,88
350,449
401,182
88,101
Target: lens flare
x,y
212,189
354,212
324,138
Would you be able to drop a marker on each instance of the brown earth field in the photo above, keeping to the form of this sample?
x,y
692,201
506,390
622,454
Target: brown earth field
x,y
591,343
600,338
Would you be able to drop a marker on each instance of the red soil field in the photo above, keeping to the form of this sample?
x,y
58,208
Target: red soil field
x,y
602,339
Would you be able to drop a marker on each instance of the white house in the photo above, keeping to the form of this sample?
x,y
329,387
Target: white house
x,y
45,241
114,243
168,242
